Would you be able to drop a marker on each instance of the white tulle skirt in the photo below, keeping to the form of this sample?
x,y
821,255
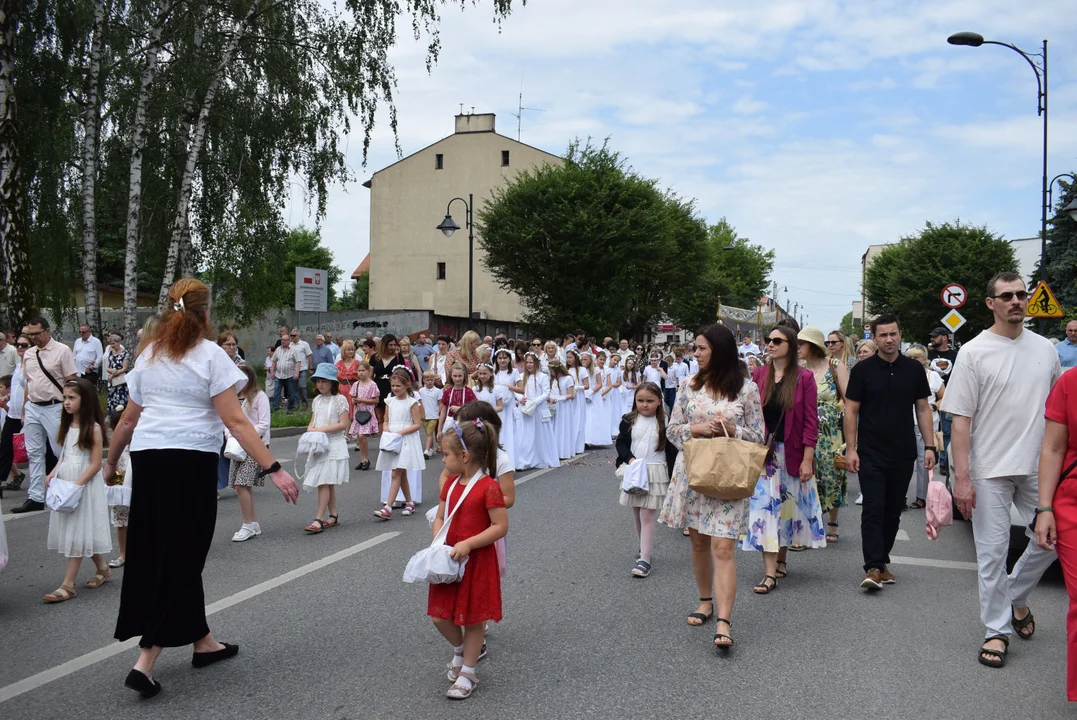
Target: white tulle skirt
x,y
87,530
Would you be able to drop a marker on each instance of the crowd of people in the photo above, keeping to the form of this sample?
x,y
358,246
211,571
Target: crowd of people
x,y
825,408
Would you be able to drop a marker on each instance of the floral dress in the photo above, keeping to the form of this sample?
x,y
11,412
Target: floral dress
x,y
685,507
117,394
832,482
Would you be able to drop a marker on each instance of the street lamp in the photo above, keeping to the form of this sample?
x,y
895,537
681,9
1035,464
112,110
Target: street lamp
x,y
448,226
1070,209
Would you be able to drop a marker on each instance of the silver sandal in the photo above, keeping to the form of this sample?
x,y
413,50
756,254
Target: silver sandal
x,y
459,692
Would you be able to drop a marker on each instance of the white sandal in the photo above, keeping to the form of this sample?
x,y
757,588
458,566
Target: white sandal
x,y
459,692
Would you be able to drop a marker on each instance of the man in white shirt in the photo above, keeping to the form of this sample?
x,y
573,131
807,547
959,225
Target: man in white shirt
x,y
333,347
304,353
997,393
285,372
747,346
88,354
9,358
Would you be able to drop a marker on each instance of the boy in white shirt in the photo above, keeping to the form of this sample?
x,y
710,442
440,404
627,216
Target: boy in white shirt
x,y
431,397
676,372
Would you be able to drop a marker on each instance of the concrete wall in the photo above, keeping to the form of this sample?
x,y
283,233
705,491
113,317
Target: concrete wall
x,y
408,199
351,324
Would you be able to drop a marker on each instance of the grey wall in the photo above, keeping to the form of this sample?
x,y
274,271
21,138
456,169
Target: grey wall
x,y
353,324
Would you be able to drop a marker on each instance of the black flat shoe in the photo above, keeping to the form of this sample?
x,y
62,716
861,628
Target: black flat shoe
x,y
141,684
202,659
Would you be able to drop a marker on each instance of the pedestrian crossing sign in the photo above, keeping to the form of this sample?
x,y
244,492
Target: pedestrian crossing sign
x,y
953,320
1043,303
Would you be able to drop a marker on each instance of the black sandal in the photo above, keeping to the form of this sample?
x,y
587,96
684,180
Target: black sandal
x,y
1020,625
700,616
833,535
723,646
780,573
997,658
763,589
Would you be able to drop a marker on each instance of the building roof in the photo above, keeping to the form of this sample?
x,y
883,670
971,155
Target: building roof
x,y
364,267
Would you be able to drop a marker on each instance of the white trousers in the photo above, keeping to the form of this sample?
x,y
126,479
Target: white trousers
x,y
991,528
40,424
415,480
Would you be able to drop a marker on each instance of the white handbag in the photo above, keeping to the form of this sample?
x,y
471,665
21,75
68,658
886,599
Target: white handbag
x,y
391,442
434,564
234,451
313,445
63,496
634,480
118,495
529,407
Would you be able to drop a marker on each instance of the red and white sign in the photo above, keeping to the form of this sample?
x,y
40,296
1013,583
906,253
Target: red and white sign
x,y
954,296
311,292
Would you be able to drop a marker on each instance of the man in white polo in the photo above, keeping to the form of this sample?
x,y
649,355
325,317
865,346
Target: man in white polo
x,y
997,393
46,366
304,353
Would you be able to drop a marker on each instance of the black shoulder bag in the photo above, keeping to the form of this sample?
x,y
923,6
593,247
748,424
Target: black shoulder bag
x,y
37,356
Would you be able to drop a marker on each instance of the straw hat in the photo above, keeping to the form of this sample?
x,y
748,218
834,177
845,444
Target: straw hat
x,y
814,336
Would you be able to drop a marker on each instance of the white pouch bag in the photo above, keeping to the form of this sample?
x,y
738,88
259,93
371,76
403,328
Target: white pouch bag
x,y
63,496
529,407
634,480
312,444
234,451
391,442
435,564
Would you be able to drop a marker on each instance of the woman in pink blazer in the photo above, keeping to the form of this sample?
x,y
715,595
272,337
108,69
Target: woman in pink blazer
x,y
785,510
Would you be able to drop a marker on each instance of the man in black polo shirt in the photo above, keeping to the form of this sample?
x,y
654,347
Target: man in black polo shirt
x,y
879,402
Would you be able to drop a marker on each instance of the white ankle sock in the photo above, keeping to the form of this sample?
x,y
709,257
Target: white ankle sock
x,y
463,681
458,656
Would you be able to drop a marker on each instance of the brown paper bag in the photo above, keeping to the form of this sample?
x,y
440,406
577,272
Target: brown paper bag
x,y
723,467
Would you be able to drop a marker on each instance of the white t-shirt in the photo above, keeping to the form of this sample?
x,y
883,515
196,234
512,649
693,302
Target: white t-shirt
x,y
693,367
177,398
430,397
1002,385
653,374
304,355
677,372
504,464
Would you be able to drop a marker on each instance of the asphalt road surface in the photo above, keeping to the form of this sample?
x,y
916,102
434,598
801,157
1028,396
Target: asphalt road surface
x,y
327,629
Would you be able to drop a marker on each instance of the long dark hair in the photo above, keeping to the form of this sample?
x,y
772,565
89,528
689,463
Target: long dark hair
x,y
90,414
383,347
722,374
632,414
788,391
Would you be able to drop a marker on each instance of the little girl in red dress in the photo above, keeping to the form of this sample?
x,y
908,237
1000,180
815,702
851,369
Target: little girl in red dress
x,y
461,609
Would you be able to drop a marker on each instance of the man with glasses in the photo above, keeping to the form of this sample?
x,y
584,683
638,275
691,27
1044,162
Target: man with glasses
x,y
997,393
333,347
88,354
304,353
885,394
1067,349
46,366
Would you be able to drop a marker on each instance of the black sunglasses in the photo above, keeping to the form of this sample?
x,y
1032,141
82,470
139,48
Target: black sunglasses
x,y
1021,295
776,341
22,345
833,342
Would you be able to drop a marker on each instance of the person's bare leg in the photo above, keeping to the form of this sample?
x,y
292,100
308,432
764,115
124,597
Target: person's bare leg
x,y
473,638
725,580
405,486
453,633
332,500
246,504
72,571
323,500
646,534
364,454
703,568
394,486
121,535
146,660
208,644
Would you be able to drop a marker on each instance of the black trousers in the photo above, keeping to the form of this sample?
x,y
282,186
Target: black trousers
x,y
885,484
173,515
7,448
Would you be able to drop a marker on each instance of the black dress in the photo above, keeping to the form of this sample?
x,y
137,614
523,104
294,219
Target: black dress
x,y
382,373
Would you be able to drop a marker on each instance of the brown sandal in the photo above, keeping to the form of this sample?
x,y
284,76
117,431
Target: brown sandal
x,y
99,579
60,594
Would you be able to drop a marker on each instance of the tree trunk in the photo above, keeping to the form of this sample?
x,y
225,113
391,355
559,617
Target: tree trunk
x,y
90,122
139,131
15,274
180,226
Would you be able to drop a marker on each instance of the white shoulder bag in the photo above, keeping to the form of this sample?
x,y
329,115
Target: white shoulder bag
x,y
313,445
434,564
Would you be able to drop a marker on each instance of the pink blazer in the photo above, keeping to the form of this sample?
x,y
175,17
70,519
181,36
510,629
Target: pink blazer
x,y
801,421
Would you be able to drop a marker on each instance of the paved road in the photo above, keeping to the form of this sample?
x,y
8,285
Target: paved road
x,y
328,629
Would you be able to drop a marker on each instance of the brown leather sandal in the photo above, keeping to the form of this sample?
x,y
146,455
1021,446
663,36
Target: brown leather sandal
x,y
99,579
60,594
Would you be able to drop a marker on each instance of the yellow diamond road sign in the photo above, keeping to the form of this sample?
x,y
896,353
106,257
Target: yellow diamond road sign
x,y
953,320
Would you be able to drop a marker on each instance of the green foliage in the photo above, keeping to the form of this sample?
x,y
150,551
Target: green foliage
x,y
847,325
592,244
907,278
356,295
1061,260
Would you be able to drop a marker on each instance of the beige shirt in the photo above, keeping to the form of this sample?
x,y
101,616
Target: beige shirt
x,y
60,362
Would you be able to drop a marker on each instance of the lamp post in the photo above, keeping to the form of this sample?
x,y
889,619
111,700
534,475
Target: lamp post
x,y
448,226
971,39
1070,209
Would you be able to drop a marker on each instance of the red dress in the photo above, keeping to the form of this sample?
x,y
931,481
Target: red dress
x,y
476,598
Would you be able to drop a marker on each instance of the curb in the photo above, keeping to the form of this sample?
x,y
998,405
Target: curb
x,y
287,431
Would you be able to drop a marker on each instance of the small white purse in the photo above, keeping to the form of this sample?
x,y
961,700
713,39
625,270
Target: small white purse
x,y
434,564
63,496
234,451
634,480
391,442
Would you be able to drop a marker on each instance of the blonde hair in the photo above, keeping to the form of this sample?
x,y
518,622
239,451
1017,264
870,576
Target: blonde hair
x,y
468,343
869,344
843,356
918,354
345,346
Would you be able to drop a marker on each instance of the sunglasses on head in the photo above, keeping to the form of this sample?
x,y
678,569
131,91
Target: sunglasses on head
x,y
1021,295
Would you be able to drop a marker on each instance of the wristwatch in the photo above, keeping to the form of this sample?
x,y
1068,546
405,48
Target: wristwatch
x,y
931,448
1044,509
269,470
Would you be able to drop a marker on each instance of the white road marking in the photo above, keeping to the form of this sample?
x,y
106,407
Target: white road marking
x,y
902,535
534,475
925,562
8,517
83,661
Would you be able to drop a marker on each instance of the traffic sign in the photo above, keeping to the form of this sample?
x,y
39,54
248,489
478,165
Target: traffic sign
x,y
954,296
953,320
1043,303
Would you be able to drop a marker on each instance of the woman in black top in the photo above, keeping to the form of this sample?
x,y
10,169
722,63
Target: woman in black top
x,y
382,362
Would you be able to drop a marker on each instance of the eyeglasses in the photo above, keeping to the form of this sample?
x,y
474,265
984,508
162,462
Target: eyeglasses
x,y
1005,297
776,341
33,335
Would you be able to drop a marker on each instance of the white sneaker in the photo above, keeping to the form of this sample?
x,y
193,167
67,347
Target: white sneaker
x,y
246,532
859,499
429,453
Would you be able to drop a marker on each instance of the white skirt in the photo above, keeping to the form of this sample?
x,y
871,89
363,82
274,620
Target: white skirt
x,y
326,472
597,424
86,531
507,436
535,443
657,487
564,429
415,483
579,423
616,409
410,456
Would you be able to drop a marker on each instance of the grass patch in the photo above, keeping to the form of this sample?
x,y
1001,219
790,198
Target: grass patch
x,y
286,418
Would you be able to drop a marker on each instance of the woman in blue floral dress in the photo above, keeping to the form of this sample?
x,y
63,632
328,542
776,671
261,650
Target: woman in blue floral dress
x,y
717,401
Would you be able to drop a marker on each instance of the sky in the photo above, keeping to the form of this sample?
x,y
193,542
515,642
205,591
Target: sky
x,y
815,127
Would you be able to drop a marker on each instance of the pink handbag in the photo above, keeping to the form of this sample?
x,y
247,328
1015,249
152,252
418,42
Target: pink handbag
x,y
940,508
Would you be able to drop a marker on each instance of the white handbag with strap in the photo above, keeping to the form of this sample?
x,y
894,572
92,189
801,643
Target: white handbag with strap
x,y
434,564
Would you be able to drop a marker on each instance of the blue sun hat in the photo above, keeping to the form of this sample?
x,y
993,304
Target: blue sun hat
x,y
325,371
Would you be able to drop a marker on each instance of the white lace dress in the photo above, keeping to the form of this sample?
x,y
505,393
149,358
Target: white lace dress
x,y
398,417
332,468
86,531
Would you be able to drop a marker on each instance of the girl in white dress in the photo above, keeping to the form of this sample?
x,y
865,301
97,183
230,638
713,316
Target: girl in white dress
x,y
615,401
596,419
535,443
505,378
654,372
329,414
86,531
578,404
485,389
404,417
630,380
562,394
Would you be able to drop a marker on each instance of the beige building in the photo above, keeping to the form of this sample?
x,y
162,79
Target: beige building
x,y
866,259
413,266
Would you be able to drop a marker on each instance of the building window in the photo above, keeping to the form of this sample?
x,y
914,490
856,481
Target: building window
x,y
441,271
439,162
504,158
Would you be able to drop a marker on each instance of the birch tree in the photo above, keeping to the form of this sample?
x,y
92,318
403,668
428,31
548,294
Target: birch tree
x,y
91,119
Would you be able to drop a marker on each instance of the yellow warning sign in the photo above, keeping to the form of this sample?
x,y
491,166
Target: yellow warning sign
x,y
1043,303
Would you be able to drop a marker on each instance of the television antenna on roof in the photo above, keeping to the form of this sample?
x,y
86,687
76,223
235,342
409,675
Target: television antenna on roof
x,y
519,114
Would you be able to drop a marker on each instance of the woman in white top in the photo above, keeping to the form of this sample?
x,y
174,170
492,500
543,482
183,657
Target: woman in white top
x,y
243,474
938,389
182,388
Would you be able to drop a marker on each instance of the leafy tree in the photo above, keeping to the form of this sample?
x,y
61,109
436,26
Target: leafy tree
x,y
591,244
357,294
846,325
1061,260
906,278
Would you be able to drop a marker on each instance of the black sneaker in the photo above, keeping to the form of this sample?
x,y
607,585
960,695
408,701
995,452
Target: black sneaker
x,y
642,569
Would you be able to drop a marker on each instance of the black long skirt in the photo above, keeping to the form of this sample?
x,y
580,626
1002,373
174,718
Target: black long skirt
x,y
173,514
